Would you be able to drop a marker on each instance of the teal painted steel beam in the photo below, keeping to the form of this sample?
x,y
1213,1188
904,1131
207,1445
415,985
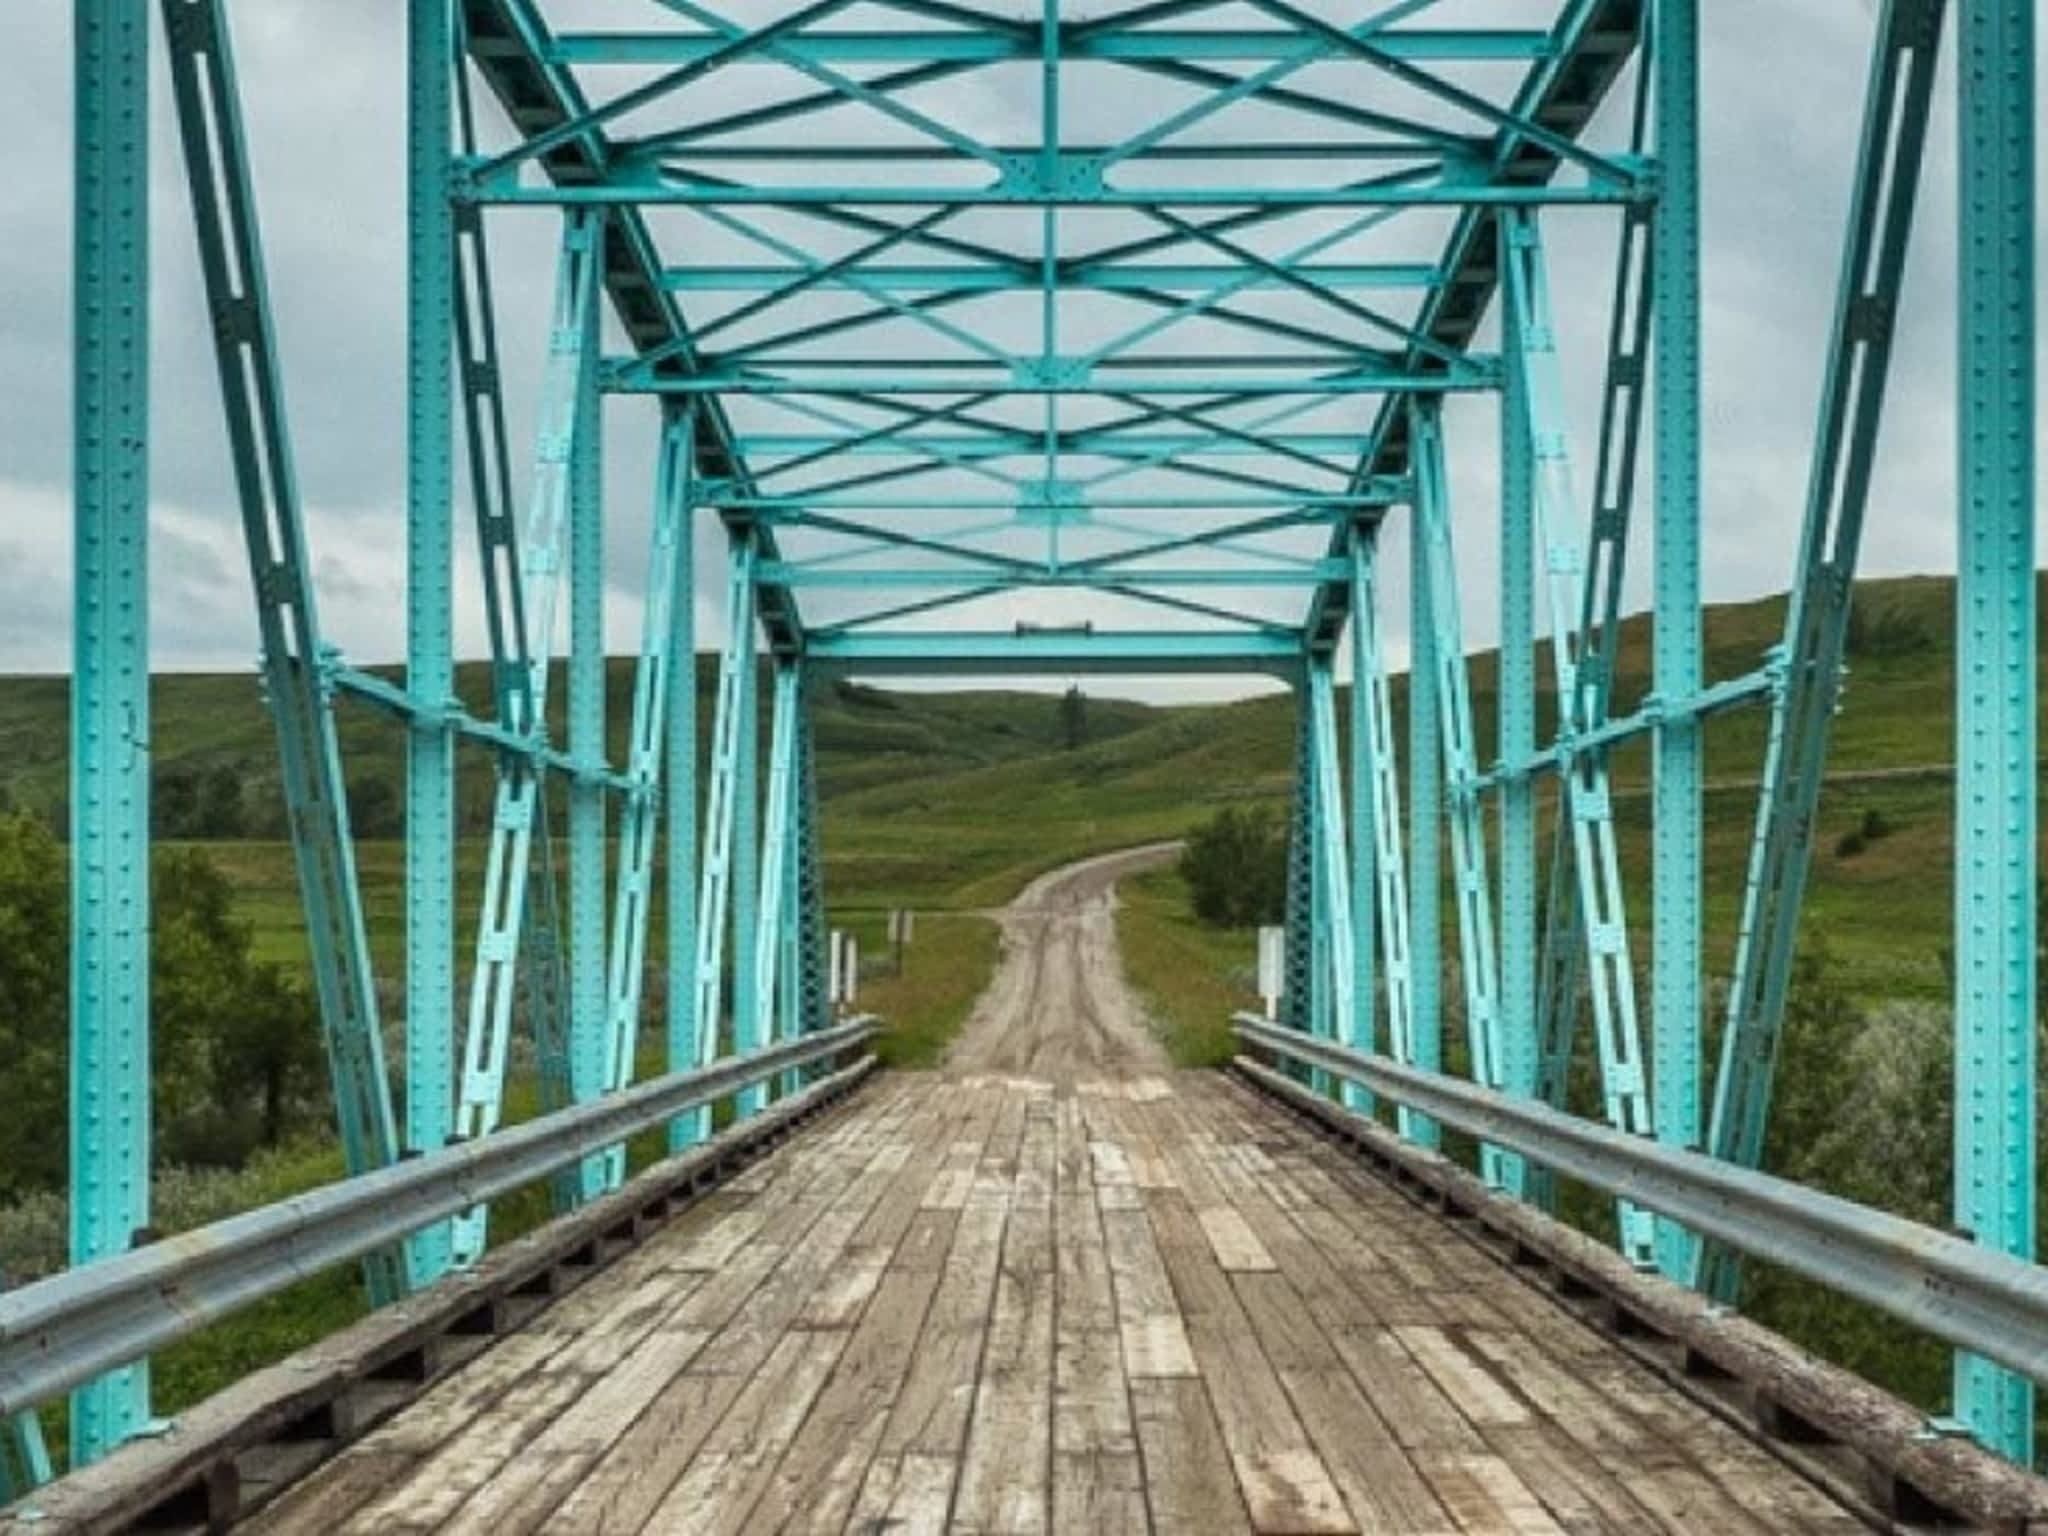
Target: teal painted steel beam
x,y
651,186
1515,738
1361,1026
1678,1004
590,1021
529,569
775,908
1107,277
1424,895
746,858
24,1456
245,350
993,653
1893,136
1478,951
1588,910
431,291
1077,41
1997,894
1591,43
1073,441
680,896
1300,982
648,747
720,868
783,574
1176,376
1335,911
1731,693
109,1126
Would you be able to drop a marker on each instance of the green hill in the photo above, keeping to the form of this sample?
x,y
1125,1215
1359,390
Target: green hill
x,y
954,799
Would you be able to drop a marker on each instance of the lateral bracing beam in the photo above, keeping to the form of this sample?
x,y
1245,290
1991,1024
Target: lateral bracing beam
x,y
245,349
1997,993
1424,895
110,899
24,1458
776,910
537,563
1894,133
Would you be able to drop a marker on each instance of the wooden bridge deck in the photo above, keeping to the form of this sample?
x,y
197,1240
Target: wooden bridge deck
x,y
983,1304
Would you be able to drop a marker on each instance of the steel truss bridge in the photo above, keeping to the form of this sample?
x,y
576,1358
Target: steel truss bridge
x,y
1102,340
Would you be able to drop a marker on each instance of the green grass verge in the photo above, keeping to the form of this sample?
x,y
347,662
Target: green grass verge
x,y
945,968
1190,977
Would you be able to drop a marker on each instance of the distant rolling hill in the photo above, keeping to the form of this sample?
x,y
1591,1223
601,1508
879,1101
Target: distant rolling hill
x,y
953,799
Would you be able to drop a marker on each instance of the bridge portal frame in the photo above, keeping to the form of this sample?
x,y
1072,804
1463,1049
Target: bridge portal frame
x,y
564,154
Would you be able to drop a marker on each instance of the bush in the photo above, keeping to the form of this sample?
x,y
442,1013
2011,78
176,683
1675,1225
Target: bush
x,y
1236,869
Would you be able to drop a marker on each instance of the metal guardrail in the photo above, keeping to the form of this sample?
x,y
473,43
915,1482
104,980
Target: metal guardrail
x,y
59,1332
1975,1298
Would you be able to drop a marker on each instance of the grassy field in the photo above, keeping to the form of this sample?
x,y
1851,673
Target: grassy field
x,y
1190,977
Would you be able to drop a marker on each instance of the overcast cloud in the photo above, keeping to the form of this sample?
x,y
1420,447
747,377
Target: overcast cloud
x,y
324,91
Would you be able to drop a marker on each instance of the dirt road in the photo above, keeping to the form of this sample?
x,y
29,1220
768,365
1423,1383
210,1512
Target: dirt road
x,y
1058,1007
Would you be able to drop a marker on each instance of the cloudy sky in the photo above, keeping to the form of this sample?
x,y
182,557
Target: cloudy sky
x,y
324,90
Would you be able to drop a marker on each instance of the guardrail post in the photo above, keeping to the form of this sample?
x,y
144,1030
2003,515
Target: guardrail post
x,y
1997,994
110,1046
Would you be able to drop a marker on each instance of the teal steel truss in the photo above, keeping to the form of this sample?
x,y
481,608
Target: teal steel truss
x,y
1162,379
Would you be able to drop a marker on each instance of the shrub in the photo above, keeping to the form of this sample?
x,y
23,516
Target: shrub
x,y
1236,868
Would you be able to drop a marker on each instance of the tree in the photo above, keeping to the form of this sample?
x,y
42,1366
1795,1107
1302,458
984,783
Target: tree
x,y
34,999
1073,717
1236,868
222,810
374,808
235,1045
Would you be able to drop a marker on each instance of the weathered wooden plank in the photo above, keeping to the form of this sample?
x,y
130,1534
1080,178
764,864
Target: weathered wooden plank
x,y
905,1496
1154,1336
1286,1486
718,1490
1003,1475
1188,1480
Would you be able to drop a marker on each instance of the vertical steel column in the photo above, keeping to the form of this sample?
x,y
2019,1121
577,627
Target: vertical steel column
x,y
1516,743
429,611
294,654
1388,864
1297,997
1362,1026
812,935
1996,996
773,911
1677,1001
1425,826
1334,862
735,718
110,1057
681,895
746,869
589,1033
1452,709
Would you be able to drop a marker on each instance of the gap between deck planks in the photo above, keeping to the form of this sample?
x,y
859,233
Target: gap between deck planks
x,y
984,1305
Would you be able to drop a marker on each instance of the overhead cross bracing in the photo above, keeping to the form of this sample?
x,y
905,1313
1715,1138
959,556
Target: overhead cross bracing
x,y
1127,347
